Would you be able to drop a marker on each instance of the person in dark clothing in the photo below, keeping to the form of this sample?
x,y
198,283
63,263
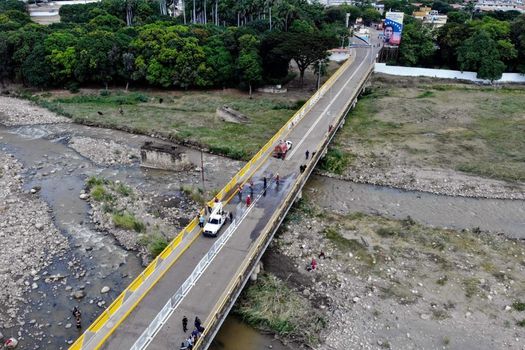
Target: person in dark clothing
x,y
184,324
231,216
306,154
264,182
79,322
197,322
76,312
239,193
209,209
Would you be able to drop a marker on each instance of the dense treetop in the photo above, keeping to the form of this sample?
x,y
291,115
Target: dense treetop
x,y
122,42
233,42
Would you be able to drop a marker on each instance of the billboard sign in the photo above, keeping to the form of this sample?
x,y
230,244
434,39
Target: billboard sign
x,y
393,28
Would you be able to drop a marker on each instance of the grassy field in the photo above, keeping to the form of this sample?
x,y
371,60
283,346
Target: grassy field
x,y
182,116
420,122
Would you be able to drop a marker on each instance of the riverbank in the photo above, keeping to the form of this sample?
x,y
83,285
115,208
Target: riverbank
x,y
48,163
434,136
384,283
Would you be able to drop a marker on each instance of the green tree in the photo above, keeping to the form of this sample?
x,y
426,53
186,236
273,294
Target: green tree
x,y
480,53
417,47
371,15
307,48
459,17
7,5
61,55
450,37
517,36
249,63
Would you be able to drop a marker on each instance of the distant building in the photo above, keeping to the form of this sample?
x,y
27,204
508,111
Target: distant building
x,y
378,7
430,17
500,5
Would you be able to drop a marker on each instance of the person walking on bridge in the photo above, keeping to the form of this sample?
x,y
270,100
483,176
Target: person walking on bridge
x,y
185,324
201,220
248,200
306,154
239,192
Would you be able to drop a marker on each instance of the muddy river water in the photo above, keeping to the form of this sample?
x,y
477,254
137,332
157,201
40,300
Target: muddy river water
x,y
96,260
495,215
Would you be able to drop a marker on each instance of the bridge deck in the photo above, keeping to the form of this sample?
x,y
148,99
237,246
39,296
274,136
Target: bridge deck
x,y
208,290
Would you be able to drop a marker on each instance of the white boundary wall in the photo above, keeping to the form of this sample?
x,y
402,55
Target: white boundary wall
x,y
444,73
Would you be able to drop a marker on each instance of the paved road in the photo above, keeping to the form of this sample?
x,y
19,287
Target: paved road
x,y
211,285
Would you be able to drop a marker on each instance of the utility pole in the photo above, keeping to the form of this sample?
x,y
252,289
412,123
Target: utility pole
x,y
347,19
205,14
194,13
319,76
202,174
184,10
270,17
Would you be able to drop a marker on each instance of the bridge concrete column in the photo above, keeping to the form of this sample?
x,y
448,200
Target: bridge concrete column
x,y
256,271
299,196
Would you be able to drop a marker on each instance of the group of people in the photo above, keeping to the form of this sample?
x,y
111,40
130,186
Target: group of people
x,y
303,167
189,342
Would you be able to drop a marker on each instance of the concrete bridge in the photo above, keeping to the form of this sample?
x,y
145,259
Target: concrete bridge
x,y
203,276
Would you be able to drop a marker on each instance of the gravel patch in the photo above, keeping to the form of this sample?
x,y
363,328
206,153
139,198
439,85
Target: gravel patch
x,y
104,152
156,215
14,111
384,171
28,238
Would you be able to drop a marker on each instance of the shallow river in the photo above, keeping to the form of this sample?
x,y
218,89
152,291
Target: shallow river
x,y
495,215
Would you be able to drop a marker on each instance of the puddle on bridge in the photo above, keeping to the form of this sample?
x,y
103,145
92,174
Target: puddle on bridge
x,y
236,335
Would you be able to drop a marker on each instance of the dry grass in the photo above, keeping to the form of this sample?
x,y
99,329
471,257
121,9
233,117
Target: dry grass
x,y
461,127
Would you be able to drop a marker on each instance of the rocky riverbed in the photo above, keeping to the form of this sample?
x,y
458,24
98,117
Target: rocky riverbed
x,y
396,284
432,180
137,218
29,239
15,111
61,252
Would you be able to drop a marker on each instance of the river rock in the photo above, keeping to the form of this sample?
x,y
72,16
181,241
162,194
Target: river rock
x,y
84,196
79,294
105,289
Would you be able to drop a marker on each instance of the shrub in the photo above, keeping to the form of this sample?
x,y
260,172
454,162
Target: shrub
x,y
518,306
99,193
128,221
94,181
157,245
123,190
335,161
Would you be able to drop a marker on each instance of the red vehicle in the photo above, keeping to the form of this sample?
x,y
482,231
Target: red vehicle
x,y
281,149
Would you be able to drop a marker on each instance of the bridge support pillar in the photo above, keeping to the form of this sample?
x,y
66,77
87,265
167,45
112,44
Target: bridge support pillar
x,y
256,271
299,196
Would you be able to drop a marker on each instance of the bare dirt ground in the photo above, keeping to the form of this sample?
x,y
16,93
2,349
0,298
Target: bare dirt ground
x,y
437,136
395,284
